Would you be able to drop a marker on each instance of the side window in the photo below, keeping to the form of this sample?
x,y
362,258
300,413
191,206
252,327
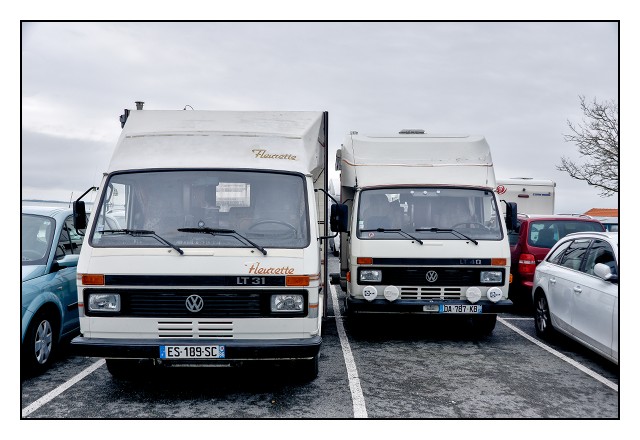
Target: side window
x,y
572,257
543,234
600,252
70,241
556,256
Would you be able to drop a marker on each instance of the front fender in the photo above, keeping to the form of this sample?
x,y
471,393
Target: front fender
x,y
34,302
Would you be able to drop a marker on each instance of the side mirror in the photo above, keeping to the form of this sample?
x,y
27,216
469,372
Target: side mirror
x,y
604,271
339,218
512,216
79,215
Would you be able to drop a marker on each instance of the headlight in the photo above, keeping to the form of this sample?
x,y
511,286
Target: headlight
x,y
104,302
491,276
370,275
287,303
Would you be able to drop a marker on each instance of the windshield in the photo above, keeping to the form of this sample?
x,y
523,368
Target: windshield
x,y
267,208
472,212
37,233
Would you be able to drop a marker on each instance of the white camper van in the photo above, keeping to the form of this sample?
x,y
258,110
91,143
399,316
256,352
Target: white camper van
x,y
421,230
533,196
217,255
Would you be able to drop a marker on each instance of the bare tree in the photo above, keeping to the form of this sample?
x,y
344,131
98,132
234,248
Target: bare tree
x,y
597,141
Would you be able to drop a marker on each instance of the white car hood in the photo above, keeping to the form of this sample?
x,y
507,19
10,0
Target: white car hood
x,y
32,271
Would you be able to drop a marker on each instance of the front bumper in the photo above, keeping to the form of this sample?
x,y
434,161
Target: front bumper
x,y
418,306
235,350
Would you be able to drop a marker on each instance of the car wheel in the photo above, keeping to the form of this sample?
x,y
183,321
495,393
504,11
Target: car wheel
x,y
40,342
542,316
484,324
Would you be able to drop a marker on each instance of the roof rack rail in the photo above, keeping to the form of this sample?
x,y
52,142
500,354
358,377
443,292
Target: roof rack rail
x,y
579,215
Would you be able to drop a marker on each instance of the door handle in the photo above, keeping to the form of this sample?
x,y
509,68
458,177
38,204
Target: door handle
x,y
577,289
552,280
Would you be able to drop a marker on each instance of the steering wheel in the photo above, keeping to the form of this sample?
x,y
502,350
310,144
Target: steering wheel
x,y
471,223
278,222
31,254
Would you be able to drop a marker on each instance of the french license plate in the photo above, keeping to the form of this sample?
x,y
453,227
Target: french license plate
x,y
460,308
192,352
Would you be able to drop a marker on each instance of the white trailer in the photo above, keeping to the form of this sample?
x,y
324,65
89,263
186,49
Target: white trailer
x,y
533,196
217,258
421,227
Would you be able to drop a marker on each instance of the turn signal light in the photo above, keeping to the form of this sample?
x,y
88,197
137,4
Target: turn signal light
x,y
527,264
92,279
297,280
498,261
364,260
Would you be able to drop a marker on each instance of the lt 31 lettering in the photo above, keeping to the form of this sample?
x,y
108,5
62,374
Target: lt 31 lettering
x,y
251,281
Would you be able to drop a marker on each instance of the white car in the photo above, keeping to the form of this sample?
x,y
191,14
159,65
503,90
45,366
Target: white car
x,y
575,291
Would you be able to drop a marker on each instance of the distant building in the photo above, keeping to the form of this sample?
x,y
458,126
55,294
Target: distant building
x,y
607,216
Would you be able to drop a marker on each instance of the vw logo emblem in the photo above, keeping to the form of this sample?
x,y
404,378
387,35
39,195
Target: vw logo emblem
x,y
194,303
432,276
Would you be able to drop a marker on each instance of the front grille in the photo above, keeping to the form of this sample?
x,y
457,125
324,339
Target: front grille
x,y
195,329
417,276
223,303
430,293
216,304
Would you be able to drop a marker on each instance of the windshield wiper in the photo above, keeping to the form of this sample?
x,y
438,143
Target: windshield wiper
x,y
143,233
232,232
399,231
452,231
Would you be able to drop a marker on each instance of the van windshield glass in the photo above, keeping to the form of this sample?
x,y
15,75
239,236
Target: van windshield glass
x,y
267,208
428,212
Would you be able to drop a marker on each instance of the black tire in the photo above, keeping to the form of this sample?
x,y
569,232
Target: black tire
x,y
484,324
40,342
542,316
123,369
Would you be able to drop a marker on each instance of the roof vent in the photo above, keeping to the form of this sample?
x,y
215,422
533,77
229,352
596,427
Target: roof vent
x,y
412,131
139,105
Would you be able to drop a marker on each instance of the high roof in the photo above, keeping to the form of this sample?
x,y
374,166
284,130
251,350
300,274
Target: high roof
x,y
220,139
405,159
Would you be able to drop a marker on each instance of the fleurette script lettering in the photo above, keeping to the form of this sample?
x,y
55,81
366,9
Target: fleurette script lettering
x,y
284,270
264,154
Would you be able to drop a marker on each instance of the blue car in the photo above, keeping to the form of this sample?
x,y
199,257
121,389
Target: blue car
x,y
50,250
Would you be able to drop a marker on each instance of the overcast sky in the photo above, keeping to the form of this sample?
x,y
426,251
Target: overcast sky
x,y
516,83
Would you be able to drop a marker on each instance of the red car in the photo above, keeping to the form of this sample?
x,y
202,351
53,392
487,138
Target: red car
x,y
530,243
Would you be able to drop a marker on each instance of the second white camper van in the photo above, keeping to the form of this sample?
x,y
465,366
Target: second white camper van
x,y
423,231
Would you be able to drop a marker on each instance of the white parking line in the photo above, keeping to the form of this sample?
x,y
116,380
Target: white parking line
x,y
578,365
61,389
518,319
359,408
